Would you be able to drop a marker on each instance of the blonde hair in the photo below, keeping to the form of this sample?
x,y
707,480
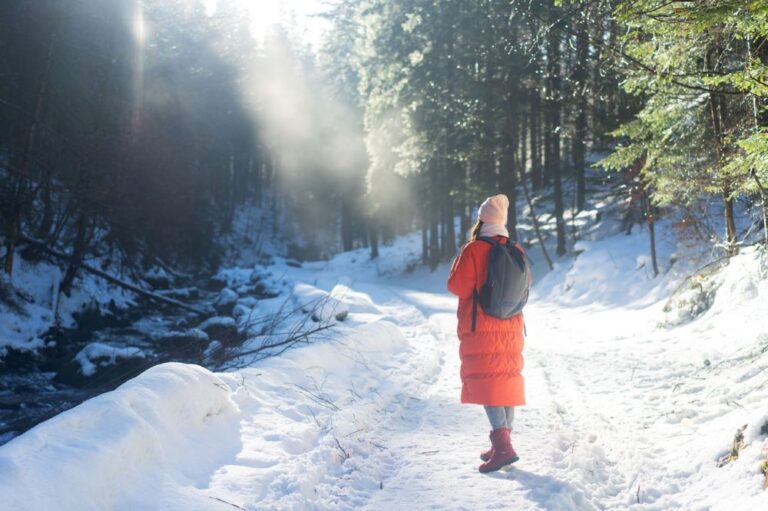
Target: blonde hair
x,y
476,230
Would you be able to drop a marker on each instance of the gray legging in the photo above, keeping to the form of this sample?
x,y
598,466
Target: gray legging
x,y
500,416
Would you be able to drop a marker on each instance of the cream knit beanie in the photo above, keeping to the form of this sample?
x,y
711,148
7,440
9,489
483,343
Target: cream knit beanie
x,y
494,210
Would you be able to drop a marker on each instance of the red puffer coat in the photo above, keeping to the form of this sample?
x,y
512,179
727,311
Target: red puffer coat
x,y
492,355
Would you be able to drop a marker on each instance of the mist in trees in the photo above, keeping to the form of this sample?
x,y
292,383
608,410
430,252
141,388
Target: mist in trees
x,y
121,134
132,131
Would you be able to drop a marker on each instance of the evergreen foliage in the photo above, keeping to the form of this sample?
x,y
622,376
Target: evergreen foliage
x,y
137,129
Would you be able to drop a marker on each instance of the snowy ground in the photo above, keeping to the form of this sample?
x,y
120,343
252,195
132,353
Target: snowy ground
x,y
623,413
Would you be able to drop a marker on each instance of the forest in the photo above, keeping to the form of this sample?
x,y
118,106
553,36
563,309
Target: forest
x,y
230,234
115,114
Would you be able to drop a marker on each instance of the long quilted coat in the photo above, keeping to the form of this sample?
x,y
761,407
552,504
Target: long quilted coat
x,y
492,355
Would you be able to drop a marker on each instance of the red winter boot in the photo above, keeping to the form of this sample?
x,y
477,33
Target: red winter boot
x,y
502,452
485,456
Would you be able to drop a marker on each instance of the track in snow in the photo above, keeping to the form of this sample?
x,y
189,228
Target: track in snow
x,y
437,440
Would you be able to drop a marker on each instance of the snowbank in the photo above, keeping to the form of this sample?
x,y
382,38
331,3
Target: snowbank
x,y
623,407
650,396
281,434
133,448
613,271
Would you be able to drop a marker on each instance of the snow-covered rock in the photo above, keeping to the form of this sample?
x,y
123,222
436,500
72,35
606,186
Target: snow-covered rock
x,y
96,355
226,301
322,305
355,301
158,277
181,338
222,328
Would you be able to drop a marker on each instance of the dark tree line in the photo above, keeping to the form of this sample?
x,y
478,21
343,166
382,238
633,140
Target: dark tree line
x,y
132,131
120,130
473,97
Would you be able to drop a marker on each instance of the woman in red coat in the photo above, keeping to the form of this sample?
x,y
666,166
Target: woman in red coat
x,y
492,353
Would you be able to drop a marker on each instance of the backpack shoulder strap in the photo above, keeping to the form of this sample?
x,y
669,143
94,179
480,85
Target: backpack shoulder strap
x,y
522,251
488,240
475,295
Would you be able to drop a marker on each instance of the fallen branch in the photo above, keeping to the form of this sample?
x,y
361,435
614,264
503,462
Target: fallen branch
x,y
109,278
226,502
343,451
301,336
317,398
534,219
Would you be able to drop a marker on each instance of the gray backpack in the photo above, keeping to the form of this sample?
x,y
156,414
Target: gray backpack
x,y
505,291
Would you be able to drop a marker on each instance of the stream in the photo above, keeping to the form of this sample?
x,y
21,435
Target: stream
x,y
36,387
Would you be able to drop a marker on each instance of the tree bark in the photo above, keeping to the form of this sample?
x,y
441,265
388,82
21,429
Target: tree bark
x,y
434,212
537,178
463,221
764,204
509,172
652,235
553,110
649,211
76,259
373,236
19,188
718,112
580,124
449,244
347,242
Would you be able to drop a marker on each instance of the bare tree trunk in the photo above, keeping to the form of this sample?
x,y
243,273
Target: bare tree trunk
x,y
442,223
764,200
650,218
717,108
463,221
535,222
434,212
553,110
19,197
580,125
231,190
46,222
347,236
652,235
449,244
373,236
77,254
509,172
273,178
537,178
424,241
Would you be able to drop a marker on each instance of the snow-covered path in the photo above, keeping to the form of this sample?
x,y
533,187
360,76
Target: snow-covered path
x,y
437,440
617,417
622,413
